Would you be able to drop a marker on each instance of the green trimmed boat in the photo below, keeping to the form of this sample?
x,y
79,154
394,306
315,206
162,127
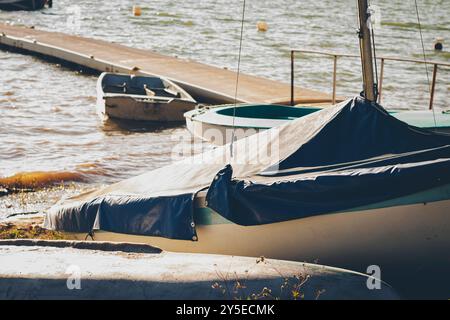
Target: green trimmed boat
x,y
215,124
218,124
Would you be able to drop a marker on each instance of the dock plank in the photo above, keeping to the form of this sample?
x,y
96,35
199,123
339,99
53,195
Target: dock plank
x,y
200,79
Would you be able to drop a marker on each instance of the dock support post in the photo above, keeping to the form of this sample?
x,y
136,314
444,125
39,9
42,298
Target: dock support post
x,y
334,80
380,84
433,85
292,77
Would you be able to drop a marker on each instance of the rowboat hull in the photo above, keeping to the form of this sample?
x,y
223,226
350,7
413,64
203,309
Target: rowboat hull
x,y
408,242
127,108
126,97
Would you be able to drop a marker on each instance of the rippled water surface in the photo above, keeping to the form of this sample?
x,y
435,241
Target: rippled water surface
x,y
49,130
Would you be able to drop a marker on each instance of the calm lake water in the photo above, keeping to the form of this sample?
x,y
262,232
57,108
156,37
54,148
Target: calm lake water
x,y
48,126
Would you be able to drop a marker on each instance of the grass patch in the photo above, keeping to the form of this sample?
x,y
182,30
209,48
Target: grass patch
x,y
290,288
12,231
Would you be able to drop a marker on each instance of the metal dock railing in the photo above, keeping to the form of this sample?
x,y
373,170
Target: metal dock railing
x,y
335,57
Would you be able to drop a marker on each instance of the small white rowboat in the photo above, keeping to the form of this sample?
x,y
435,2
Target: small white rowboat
x,y
141,98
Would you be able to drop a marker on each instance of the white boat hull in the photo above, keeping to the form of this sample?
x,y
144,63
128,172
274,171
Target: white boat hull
x,y
408,243
217,134
132,101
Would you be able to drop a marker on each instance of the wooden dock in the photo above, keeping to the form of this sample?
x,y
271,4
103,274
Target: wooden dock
x,y
204,82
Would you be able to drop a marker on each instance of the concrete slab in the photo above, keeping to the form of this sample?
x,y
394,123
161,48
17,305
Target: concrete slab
x,y
31,269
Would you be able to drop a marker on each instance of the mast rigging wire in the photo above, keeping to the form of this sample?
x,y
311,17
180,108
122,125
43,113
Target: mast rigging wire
x,y
374,56
237,79
424,57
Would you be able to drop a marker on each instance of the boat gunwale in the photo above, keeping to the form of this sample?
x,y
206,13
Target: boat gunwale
x,y
184,95
215,118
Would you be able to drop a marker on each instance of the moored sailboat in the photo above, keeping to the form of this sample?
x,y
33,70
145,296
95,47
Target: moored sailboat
x,y
303,191
349,185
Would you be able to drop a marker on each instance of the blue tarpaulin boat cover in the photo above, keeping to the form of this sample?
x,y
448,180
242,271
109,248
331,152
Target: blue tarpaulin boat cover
x,y
349,155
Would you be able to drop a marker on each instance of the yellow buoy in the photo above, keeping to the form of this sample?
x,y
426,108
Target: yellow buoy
x,y
137,11
262,26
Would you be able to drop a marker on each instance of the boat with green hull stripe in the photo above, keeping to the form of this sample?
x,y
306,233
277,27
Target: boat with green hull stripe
x,y
213,123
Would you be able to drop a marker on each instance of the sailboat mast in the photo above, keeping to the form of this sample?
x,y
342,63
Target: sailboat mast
x,y
365,46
